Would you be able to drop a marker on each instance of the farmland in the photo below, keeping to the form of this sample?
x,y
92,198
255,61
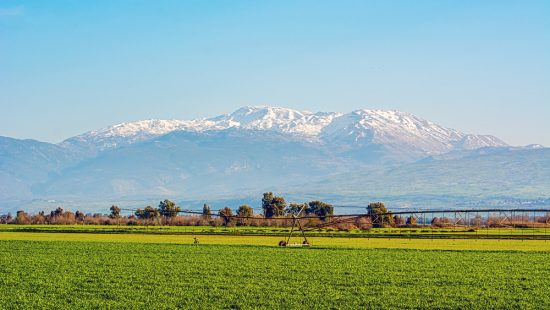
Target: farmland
x,y
418,232
318,242
136,270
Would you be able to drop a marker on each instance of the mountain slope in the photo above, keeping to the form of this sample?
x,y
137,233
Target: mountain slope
x,y
404,137
262,148
372,136
25,162
197,164
473,175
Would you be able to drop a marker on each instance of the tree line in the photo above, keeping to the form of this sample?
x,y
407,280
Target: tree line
x,y
169,213
275,211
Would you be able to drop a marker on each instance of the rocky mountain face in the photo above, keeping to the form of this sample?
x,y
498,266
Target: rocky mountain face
x,y
243,153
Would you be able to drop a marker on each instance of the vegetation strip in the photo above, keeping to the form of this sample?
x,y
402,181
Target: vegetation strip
x,y
493,233
271,241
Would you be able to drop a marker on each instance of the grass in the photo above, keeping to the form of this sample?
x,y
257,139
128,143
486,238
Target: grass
x,y
420,232
331,242
160,268
130,274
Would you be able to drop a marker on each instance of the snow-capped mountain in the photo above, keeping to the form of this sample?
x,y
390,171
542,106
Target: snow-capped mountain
x,y
401,130
392,129
126,134
251,118
257,149
276,119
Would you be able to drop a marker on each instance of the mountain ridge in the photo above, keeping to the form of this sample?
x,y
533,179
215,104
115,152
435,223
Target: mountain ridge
x,y
383,127
255,149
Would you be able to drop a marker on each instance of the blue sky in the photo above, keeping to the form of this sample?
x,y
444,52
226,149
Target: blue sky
x,y
67,67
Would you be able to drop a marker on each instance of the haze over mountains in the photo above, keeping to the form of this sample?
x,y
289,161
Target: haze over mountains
x,y
351,157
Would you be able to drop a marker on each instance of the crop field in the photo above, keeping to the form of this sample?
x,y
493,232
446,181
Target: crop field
x,y
419,232
86,270
331,242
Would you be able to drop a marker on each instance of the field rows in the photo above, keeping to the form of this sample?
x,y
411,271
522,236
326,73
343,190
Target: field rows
x,y
338,242
63,275
419,232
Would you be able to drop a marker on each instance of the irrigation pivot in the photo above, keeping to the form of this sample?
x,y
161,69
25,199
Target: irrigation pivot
x,y
493,223
296,222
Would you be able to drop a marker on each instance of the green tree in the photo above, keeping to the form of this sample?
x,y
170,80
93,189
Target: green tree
x,y
321,209
206,212
115,212
266,204
273,205
295,208
226,215
80,216
244,213
57,212
379,215
147,213
168,208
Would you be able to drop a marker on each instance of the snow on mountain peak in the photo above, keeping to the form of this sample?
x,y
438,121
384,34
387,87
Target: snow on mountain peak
x,y
358,127
125,133
401,129
151,126
277,119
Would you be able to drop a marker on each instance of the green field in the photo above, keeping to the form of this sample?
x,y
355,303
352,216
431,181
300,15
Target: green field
x,y
329,242
419,232
166,271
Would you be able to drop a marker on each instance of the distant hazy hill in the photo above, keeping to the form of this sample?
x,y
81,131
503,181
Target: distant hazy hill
x,y
481,174
26,162
362,154
193,164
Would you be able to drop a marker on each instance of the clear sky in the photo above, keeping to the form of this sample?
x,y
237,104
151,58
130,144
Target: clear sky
x,y
67,67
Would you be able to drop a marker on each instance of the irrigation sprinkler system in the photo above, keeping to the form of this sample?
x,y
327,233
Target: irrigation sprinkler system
x,y
494,223
295,222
